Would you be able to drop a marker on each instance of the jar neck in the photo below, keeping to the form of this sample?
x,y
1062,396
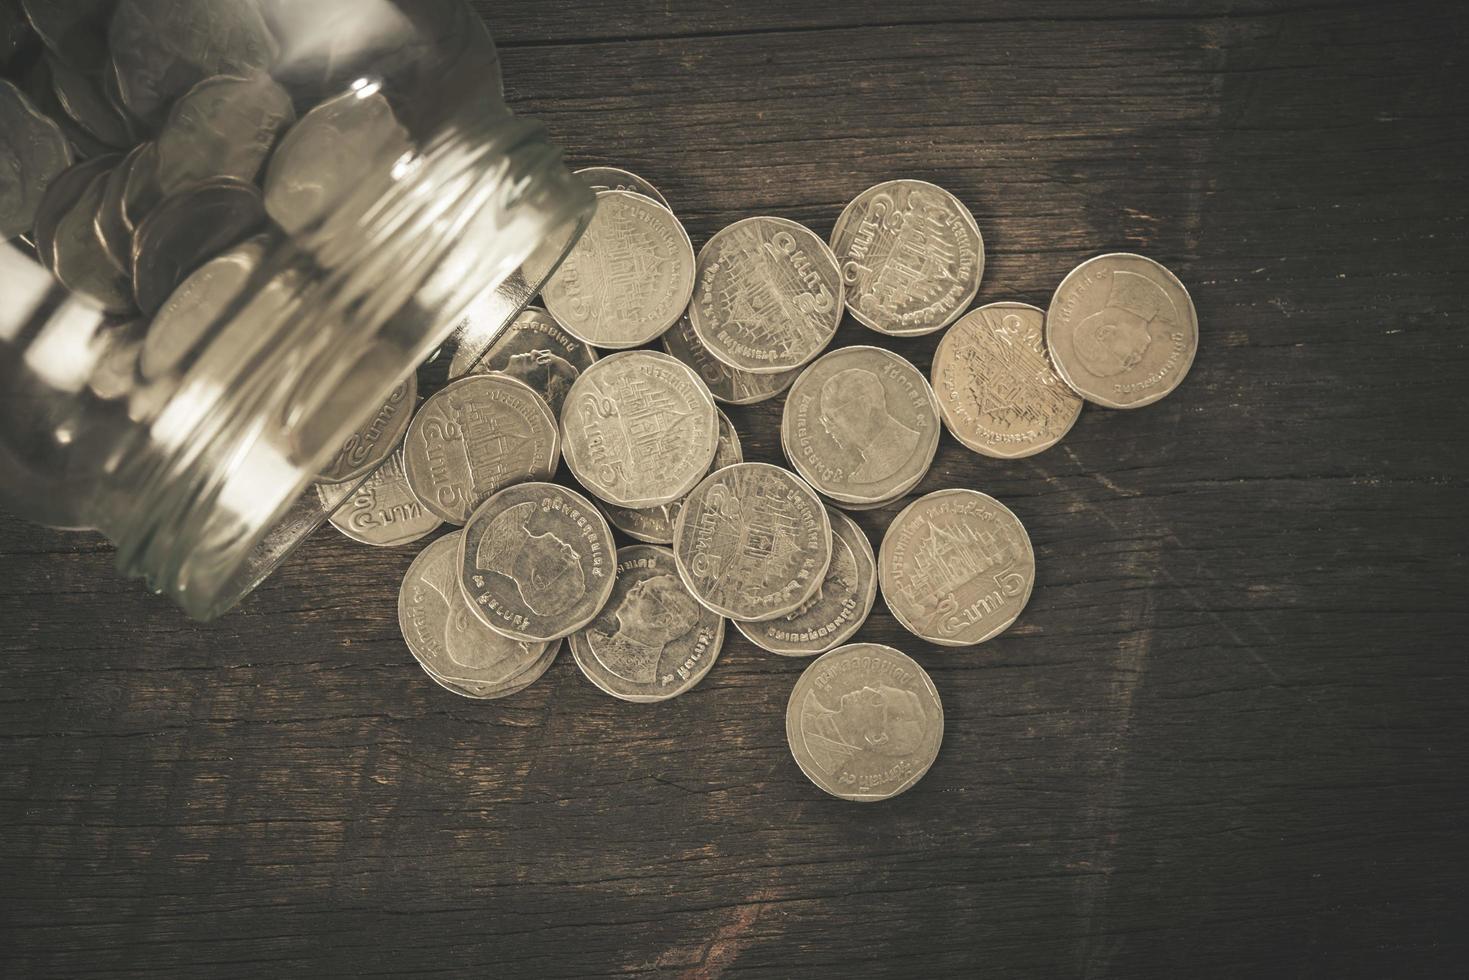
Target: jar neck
x,y
325,329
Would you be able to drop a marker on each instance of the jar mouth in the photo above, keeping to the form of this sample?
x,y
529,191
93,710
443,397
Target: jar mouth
x,y
216,498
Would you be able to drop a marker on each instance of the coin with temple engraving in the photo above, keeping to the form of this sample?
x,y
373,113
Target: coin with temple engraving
x,y
616,179
383,511
654,525
628,278
375,439
768,296
475,437
533,349
753,542
864,722
861,425
840,605
956,567
33,153
222,127
652,641
1122,330
911,257
998,392
537,561
639,429
443,632
726,384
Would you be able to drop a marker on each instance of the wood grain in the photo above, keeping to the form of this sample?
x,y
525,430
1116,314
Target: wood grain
x,y
1226,738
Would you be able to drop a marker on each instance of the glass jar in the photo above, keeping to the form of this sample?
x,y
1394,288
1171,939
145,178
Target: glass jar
x,y
412,214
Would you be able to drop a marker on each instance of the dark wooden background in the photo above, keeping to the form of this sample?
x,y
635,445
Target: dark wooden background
x,y
1226,738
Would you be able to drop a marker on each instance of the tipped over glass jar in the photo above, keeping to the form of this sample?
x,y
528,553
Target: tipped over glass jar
x,y
234,243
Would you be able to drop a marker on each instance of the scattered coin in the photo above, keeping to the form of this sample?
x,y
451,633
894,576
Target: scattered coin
x,y
956,567
475,437
864,722
1122,330
444,634
998,391
33,153
726,384
629,277
383,511
534,349
222,127
75,30
768,296
752,542
195,307
640,429
188,229
376,439
615,179
651,641
861,424
79,259
911,257
487,692
840,606
537,561
80,97
62,194
654,525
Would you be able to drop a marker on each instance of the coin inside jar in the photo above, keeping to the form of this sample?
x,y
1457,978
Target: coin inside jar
x,y
639,429
861,425
652,641
911,257
726,384
864,722
533,349
474,437
222,127
38,152
768,296
376,438
956,567
188,229
753,542
537,561
1122,330
998,391
654,525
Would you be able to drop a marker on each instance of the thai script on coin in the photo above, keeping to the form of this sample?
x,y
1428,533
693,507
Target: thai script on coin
x,y
652,641
639,429
998,391
616,179
475,437
752,542
537,561
861,424
33,153
654,525
629,276
533,349
1122,330
864,722
840,605
729,385
375,439
768,296
956,567
383,511
911,257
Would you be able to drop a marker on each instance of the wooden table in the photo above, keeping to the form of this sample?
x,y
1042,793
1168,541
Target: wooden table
x,y
1226,737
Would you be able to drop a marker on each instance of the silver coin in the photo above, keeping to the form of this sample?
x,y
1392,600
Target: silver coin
x,y
193,309
998,391
753,542
726,384
840,606
537,561
112,92
376,438
487,692
628,278
475,437
80,97
654,525
768,296
115,375
222,127
41,90
615,179
140,192
864,722
911,257
651,641
383,511
188,229
79,259
163,48
639,429
75,30
60,198
332,150
33,153
1122,330
445,635
112,223
861,424
533,349
956,567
